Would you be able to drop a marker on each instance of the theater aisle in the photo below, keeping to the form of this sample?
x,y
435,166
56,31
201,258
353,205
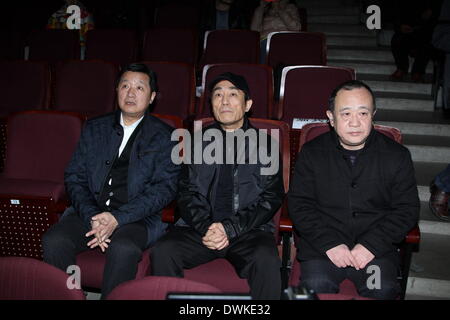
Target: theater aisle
x,y
406,105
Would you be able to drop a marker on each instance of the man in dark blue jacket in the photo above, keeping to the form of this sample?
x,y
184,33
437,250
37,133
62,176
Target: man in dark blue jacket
x,y
119,179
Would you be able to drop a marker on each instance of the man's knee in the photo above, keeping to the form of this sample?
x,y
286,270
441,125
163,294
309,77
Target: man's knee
x,y
163,249
388,290
124,249
266,257
54,238
320,284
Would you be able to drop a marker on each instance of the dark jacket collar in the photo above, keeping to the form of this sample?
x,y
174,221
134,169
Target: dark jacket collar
x,y
245,126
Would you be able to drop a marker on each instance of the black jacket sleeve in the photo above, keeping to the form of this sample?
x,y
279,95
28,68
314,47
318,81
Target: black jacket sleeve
x,y
302,208
194,208
260,211
404,215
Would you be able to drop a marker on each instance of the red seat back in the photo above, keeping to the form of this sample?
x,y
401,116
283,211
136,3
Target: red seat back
x,y
54,45
170,44
114,45
225,46
177,15
24,85
40,144
172,121
290,48
12,45
176,88
87,87
305,90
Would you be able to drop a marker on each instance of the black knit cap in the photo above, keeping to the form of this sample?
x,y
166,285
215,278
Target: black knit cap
x,y
237,80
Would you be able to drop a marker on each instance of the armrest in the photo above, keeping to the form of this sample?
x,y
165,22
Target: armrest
x,y
413,236
168,213
285,221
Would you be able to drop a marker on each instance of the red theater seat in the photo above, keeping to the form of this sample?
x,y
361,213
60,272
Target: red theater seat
x,y
157,288
31,279
40,145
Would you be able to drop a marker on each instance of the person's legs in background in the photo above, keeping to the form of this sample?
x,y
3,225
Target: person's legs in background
x,y
401,45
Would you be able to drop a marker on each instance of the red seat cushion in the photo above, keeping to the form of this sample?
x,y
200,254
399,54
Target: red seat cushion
x,y
157,288
223,276
30,279
36,188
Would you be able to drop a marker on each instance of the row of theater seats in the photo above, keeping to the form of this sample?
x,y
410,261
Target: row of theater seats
x,y
30,279
188,15
32,196
123,46
87,87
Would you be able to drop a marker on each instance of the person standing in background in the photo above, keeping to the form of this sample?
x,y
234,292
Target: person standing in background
x,y
58,20
273,16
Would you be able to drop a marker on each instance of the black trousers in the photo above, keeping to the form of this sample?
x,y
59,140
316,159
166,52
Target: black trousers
x,y
402,44
254,255
64,240
323,276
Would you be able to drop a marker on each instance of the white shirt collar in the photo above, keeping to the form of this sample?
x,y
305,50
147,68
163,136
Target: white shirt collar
x,y
131,126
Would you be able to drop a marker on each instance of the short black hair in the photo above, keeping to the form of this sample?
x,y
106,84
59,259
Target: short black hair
x,y
237,80
140,67
350,85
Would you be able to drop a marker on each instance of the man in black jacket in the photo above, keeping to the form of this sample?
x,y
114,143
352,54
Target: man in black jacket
x,y
353,197
227,205
119,179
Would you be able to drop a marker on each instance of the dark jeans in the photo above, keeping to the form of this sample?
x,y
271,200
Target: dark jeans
x,y
403,44
64,240
442,180
253,254
323,276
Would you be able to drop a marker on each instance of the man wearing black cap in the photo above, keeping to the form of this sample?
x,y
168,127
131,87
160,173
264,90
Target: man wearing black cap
x,y
226,208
